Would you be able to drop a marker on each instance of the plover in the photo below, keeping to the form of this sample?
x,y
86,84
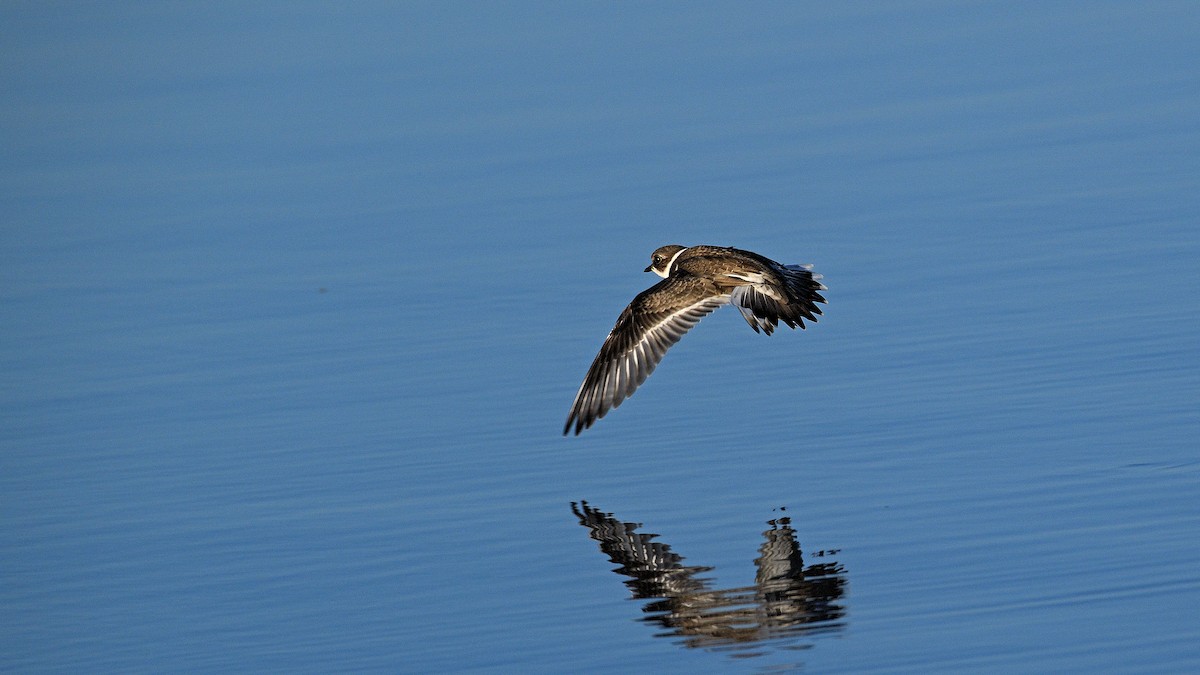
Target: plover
x,y
696,281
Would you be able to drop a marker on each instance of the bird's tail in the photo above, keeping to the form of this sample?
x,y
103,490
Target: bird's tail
x,y
764,309
804,292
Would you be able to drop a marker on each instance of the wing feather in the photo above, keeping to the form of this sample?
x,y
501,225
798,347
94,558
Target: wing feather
x,y
656,319
763,309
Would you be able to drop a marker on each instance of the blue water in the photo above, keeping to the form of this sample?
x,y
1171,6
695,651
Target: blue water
x,y
296,297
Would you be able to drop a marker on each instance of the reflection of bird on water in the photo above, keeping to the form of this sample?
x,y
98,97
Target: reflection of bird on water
x,y
787,600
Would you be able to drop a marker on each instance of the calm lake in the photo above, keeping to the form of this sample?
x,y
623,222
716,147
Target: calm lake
x,y
296,297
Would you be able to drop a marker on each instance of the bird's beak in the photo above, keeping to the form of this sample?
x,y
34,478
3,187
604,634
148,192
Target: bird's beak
x,y
648,268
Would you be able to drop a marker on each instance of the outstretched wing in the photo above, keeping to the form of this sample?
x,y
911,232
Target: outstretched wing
x,y
656,319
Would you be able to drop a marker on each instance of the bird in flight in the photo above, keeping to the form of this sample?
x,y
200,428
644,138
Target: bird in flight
x,y
696,281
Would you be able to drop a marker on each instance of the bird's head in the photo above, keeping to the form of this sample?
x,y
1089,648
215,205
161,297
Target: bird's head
x,y
662,258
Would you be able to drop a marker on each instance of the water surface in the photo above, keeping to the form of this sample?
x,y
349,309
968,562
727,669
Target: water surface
x,y
296,298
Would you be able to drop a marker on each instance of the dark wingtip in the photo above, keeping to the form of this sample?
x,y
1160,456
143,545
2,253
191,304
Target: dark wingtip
x,y
577,422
